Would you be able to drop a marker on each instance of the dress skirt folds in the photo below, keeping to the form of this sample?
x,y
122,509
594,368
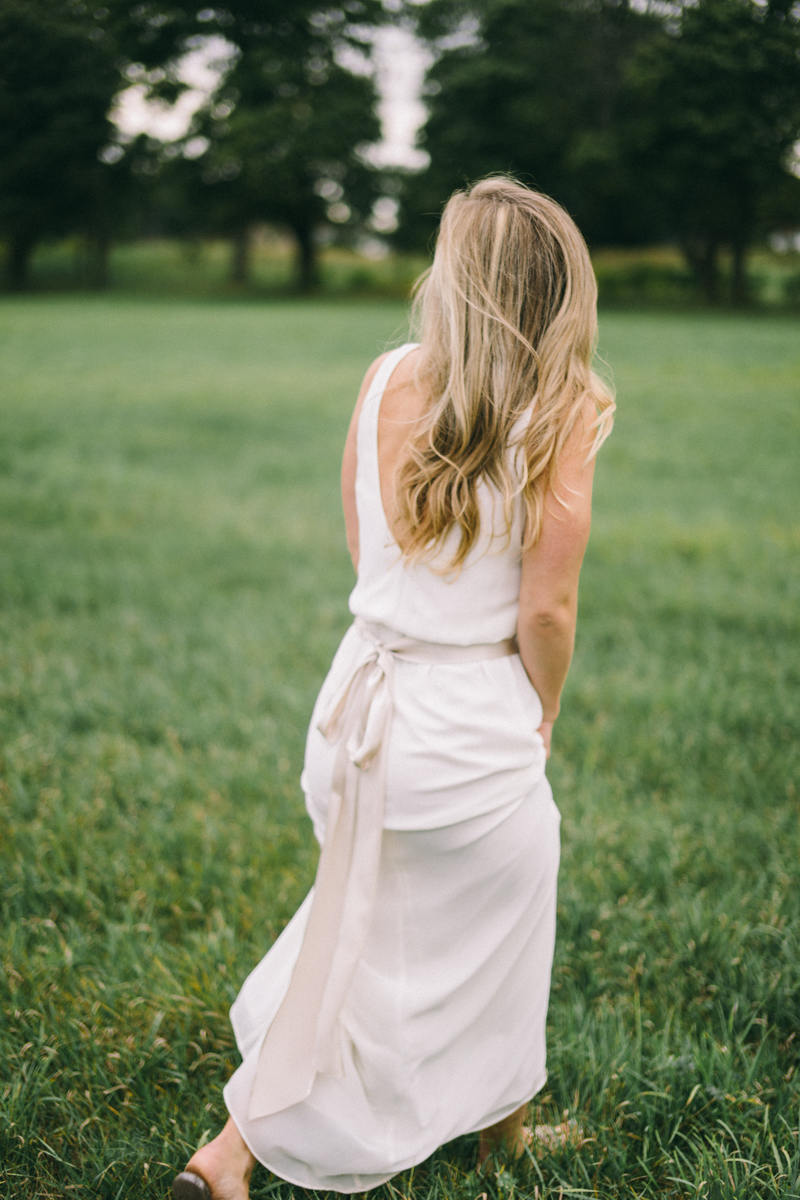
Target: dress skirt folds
x,y
433,927
444,1024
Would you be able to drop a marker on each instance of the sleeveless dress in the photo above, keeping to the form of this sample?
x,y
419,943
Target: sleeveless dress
x,y
436,1020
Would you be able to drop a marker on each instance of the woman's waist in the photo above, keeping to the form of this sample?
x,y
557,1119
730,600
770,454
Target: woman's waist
x,y
427,649
465,683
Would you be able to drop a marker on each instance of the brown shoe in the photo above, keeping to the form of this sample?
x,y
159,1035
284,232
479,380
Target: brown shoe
x,y
189,1186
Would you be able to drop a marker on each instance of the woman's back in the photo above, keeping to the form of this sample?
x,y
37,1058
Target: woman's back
x,y
477,603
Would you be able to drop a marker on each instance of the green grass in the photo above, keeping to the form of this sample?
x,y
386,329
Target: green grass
x,y
173,584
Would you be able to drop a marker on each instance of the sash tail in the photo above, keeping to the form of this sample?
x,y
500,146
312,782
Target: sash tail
x,y
302,1039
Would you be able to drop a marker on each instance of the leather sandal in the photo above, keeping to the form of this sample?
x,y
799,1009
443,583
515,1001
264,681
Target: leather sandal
x,y
190,1186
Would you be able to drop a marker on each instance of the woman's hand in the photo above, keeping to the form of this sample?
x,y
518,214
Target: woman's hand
x,y
546,730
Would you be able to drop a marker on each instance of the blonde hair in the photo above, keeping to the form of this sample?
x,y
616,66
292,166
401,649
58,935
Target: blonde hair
x,y
507,319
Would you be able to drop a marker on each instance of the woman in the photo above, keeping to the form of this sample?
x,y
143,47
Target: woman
x,y
405,1002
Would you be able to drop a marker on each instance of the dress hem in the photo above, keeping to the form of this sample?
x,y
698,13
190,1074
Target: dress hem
x,y
357,1191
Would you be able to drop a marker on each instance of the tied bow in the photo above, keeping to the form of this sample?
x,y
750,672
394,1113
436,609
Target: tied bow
x,y
359,713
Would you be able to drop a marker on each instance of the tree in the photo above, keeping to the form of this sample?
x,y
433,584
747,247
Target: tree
x,y
543,89
287,153
646,127
720,117
61,171
284,130
57,80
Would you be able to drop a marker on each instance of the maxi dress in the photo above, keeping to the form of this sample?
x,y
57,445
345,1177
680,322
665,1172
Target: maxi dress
x,y
405,1002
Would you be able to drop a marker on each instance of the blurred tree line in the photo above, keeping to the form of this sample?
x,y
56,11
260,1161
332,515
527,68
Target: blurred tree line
x,y
278,142
651,123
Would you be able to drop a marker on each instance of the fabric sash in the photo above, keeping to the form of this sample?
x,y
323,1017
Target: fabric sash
x,y
303,1038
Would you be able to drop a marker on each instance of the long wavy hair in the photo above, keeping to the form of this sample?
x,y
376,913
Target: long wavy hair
x,y
507,322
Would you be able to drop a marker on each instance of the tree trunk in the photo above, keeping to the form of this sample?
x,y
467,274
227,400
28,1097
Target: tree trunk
x,y
740,286
709,272
240,261
702,257
307,269
20,250
98,250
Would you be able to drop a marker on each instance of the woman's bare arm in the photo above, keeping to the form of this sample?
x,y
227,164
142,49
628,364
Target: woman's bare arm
x,y
548,602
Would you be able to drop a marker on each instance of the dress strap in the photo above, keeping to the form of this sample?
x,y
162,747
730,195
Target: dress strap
x,y
367,473
304,1037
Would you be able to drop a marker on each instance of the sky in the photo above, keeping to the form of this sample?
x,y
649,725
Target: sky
x,y
400,62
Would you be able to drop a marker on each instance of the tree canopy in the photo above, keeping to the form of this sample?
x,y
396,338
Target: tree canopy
x,y
720,114
541,89
668,122
283,134
285,130
646,126
58,77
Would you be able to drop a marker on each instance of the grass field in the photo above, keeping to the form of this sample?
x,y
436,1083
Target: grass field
x,y
174,582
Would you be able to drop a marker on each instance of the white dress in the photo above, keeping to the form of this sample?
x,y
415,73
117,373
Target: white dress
x,y
438,1025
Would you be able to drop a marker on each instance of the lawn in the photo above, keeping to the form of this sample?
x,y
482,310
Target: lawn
x,y
173,582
